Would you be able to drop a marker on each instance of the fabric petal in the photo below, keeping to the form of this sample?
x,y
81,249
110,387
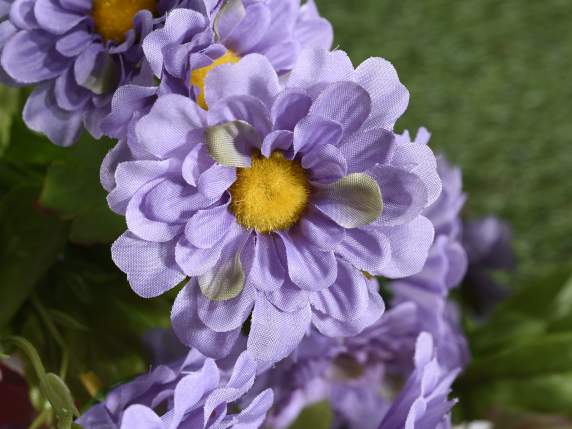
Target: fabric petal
x,y
274,334
364,149
309,268
252,75
289,107
351,202
251,28
150,267
193,332
346,103
169,124
288,297
140,416
388,95
42,114
320,66
231,144
277,141
325,163
28,57
52,17
347,298
410,245
365,248
313,131
228,315
243,108
263,266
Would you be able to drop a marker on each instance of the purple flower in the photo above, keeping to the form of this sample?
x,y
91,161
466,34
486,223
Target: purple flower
x,y
190,394
190,46
7,29
77,52
362,393
275,201
423,402
444,269
488,244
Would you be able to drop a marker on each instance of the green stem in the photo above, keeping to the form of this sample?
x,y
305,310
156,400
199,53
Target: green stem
x,y
40,419
53,330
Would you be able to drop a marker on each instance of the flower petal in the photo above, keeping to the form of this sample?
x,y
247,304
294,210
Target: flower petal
x,y
252,75
351,202
410,245
316,65
289,107
347,298
150,267
263,264
365,248
243,108
227,315
325,163
57,20
274,334
346,103
169,124
308,267
388,95
193,332
140,416
313,131
364,149
29,57
277,141
230,144
42,114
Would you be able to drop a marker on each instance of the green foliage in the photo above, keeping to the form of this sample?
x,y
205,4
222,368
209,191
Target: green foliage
x,y
52,387
10,104
72,189
31,240
522,358
316,416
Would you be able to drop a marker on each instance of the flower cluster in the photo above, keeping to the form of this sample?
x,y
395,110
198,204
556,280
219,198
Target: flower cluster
x,y
259,172
193,393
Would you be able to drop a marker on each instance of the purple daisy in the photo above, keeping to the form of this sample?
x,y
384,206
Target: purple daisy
x,y
271,202
191,394
423,402
77,52
7,29
444,269
362,394
189,46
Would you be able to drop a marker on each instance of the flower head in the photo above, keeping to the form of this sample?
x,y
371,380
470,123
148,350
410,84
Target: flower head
x,y
275,201
190,394
77,53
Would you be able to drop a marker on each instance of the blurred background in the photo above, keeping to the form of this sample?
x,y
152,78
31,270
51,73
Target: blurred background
x,y
491,80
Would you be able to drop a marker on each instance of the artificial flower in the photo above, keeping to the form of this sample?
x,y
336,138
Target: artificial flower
x,y
77,52
190,394
278,202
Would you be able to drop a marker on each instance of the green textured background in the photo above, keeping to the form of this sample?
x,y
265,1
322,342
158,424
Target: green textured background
x,y
492,80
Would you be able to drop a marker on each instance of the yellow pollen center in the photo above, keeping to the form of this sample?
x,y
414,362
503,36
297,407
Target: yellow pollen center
x,y
114,18
271,195
198,76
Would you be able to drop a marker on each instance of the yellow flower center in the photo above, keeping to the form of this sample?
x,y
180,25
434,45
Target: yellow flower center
x,y
198,76
114,18
271,195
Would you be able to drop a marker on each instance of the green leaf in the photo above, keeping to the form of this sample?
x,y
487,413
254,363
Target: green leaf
x,y
72,189
317,416
539,355
31,240
10,105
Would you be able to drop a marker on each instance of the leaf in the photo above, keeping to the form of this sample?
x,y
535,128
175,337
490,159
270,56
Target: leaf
x,y
30,242
72,189
10,105
317,416
539,355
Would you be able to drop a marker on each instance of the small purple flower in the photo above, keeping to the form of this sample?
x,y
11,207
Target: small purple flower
x,y
77,52
7,29
275,201
444,269
488,244
361,392
190,394
423,402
